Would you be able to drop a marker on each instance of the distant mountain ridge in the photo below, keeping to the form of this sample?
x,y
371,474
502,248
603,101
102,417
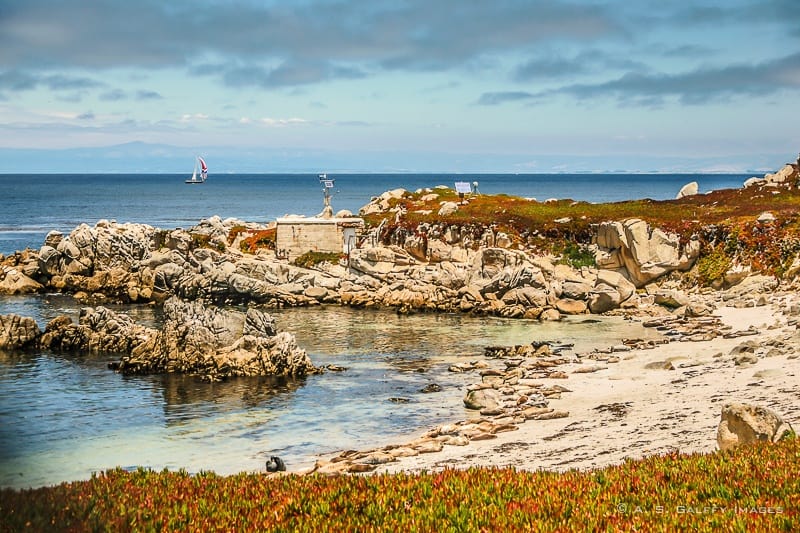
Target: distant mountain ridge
x,y
145,158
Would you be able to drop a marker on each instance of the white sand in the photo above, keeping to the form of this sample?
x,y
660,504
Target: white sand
x,y
664,410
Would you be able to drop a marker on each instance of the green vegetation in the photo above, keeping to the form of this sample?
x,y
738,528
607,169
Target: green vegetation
x,y
310,259
753,488
575,255
712,265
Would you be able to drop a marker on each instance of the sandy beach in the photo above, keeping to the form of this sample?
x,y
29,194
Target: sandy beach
x,y
626,410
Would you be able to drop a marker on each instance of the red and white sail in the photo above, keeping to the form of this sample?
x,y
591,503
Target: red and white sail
x,y
203,169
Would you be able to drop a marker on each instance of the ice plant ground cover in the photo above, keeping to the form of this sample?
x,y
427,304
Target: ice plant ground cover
x,y
752,488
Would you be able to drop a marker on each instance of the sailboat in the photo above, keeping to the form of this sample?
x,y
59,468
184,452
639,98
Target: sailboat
x,y
199,163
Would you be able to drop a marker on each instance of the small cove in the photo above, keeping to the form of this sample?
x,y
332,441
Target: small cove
x,y
63,417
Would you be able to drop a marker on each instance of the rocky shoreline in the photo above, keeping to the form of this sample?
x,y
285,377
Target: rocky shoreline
x,y
196,273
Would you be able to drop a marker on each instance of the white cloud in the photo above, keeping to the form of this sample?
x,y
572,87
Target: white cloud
x,y
268,121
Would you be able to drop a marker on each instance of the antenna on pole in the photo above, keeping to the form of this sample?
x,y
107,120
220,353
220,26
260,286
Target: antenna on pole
x,y
327,185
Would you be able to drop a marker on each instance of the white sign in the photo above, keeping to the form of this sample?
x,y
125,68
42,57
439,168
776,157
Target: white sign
x,y
463,187
328,184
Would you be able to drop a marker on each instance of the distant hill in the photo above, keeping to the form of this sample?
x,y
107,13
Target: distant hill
x,y
140,157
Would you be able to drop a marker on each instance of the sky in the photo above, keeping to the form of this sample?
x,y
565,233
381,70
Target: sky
x,y
400,85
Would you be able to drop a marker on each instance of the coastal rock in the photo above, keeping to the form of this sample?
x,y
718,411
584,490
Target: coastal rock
x,y
12,281
576,290
447,209
491,262
217,343
750,182
196,339
670,298
525,296
571,307
690,189
618,282
604,298
765,218
745,424
482,399
781,176
17,332
643,252
63,335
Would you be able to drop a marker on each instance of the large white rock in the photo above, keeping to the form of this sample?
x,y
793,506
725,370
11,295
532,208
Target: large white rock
x,y
752,181
447,208
690,189
780,176
604,298
618,282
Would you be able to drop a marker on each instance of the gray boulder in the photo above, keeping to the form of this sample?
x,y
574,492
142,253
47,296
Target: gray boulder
x,y
645,253
604,298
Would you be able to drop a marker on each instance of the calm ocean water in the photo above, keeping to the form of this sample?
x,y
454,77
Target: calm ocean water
x,y
63,417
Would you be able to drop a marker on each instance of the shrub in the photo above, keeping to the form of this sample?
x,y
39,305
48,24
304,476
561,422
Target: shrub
x,y
576,255
201,240
235,232
713,265
310,259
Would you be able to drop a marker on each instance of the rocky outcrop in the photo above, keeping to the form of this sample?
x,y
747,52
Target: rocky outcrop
x,y
745,424
218,343
196,339
436,270
786,173
640,252
468,268
13,281
17,332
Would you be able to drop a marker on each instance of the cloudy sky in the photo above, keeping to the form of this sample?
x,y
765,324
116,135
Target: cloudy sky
x,y
509,85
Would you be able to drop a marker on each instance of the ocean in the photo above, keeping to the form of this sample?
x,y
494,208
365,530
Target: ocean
x,y
63,417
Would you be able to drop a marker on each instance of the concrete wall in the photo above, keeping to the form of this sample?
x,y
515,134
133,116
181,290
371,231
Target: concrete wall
x,y
296,236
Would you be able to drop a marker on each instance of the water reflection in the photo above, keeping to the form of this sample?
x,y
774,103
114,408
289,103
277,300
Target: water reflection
x,y
186,397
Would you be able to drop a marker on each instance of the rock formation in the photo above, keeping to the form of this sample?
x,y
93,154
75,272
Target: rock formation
x,y
17,332
466,267
196,339
690,189
640,252
745,424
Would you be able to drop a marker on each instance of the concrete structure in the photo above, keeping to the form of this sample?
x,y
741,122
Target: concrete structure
x,y
297,235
